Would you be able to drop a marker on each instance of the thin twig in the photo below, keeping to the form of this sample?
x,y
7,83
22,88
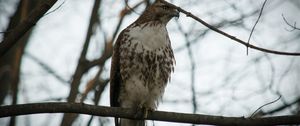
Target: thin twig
x,y
252,30
123,13
189,14
56,8
130,8
292,26
280,108
264,106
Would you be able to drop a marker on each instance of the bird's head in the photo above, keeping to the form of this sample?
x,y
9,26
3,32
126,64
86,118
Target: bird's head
x,y
159,11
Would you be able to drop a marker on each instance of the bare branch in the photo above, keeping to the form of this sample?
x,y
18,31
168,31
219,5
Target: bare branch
x,y
15,34
252,30
81,68
105,55
123,13
83,63
189,14
278,109
294,26
131,9
58,107
220,24
265,105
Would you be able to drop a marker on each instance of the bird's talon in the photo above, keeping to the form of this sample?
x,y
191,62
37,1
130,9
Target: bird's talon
x,y
146,112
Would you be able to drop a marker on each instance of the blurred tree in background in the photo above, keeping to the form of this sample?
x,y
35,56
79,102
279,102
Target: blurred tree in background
x,y
66,57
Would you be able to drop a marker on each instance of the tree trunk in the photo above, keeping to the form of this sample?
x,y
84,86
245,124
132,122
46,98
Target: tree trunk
x,y
11,61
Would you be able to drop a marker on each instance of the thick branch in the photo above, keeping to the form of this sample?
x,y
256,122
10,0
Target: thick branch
x,y
15,34
58,107
189,14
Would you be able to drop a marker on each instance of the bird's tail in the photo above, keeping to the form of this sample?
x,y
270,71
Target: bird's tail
x,y
129,122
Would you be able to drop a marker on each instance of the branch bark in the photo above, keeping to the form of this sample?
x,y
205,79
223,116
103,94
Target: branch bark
x,y
79,108
189,14
15,34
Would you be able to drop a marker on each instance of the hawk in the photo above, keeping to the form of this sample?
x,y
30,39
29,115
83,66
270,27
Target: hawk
x,y
142,62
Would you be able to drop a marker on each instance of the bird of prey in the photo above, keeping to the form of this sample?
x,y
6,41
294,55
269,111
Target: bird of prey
x,y
142,62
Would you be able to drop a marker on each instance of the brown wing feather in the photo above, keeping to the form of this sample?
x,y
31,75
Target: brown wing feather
x,y
115,76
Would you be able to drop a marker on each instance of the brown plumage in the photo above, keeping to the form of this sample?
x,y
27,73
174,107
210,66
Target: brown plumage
x,y
142,62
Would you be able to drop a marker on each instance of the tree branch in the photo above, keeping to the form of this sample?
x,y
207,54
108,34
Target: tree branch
x,y
278,109
15,34
189,14
294,26
81,68
58,107
252,30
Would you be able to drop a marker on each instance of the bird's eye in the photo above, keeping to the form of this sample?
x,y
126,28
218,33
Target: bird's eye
x,y
165,7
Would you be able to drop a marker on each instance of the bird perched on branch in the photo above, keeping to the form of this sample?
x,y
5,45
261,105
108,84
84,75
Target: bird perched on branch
x,y
142,62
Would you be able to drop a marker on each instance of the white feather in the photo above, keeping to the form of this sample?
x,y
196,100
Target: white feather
x,y
150,37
